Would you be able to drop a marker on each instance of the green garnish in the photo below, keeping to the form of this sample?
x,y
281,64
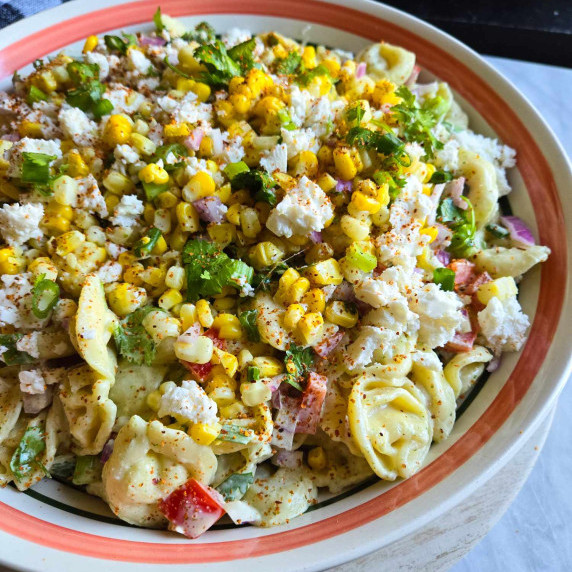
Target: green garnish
x,y
35,95
355,114
359,259
159,26
25,458
45,295
203,33
441,177
252,373
497,230
117,44
444,277
395,184
461,222
163,151
153,190
234,169
286,120
146,244
298,362
88,91
221,67
11,355
243,55
259,183
236,434
235,487
132,340
87,470
175,68
36,167
209,269
289,65
248,322
307,76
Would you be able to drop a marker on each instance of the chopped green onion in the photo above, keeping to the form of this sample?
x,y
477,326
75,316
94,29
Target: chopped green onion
x,y
236,434
36,167
286,120
153,190
159,26
252,373
45,295
359,259
444,277
35,95
175,68
235,487
234,169
87,470
117,44
146,244
497,230
440,177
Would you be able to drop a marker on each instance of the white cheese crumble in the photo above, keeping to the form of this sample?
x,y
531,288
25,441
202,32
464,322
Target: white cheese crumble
x,y
110,272
124,100
19,223
89,196
138,61
15,155
304,209
101,61
300,140
188,402
29,344
236,36
503,325
360,353
275,159
77,126
32,381
126,154
127,211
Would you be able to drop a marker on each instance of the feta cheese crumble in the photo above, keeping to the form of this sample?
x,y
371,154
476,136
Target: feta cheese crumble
x,y
188,402
503,325
304,209
32,381
15,155
127,211
275,159
77,126
20,223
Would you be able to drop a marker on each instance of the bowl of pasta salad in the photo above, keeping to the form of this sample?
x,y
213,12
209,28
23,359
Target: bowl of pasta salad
x,y
283,277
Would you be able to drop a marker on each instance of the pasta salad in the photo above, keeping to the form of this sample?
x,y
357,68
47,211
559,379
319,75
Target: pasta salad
x,y
237,270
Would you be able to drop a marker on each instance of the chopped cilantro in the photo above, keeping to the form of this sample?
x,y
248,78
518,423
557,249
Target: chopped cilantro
x,y
298,362
355,114
175,68
395,184
132,340
25,458
157,20
440,177
163,151
36,167
461,222
289,65
444,277
221,67
248,322
236,434
117,44
307,76
203,33
259,183
88,91
243,55
235,487
385,143
10,354
145,245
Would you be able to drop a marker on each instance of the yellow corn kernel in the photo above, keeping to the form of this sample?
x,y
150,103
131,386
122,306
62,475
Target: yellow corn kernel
x,y
199,350
354,228
68,242
292,316
244,358
64,211
220,379
132,274
126,259
204,434
325,272
188,315
338,313
326,182
90,44
333,66
315,300
116,182
143,144
224,304
202,90
126,298
176,130
363,202
223,233
317,459
65,190
11,261
228,361
167,200
240,102
188,217
178,239
255,393
305,163
431,232
159,325
200,185
30,129
258,81
153,276
223,397
297,290
39,266
175,277
152,173
309,57
384,93
77,166
249,222
234,410
170,298
154,400
7,188
288,278
111,201
430,171
228,326
206,148
265,254
345,167
117,130
141,127
501,288
233,214
204,313
187,60
268,366
46,81
310,327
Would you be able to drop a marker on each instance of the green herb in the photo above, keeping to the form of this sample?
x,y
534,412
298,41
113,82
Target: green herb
x,y
175,69
386,143
101,107
117,44
88,91
355,114
263,281
36,167
236,434
163,151
234,169
235,487
461,222
38,64
11,355
248,322
289,65
416,122
259,183
35,95
298,362
25,458
159,26
45,295
132,340
200,256
81,73
395,184
203,33
146,244
153,190
243,55
87,470
221,67
440,177
286,120
307,76
444,277
497,231
252,373
359,259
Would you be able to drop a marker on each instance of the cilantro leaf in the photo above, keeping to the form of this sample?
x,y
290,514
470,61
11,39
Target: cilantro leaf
x,y
235,487
288,65
88,90
132,340
117,44
9,353
385,143
243,54
236,434
203,33
248,322
441,177
159,26
221,67
461,222
25,457
444,277
259,183
307,76
201,256
298,362
36,167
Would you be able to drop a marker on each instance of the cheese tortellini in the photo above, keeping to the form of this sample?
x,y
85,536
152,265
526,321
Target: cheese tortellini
x,y
386,61
465,368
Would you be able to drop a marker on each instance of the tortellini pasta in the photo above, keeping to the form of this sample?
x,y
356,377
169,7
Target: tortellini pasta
x,y
148,462
465,368
386,61
500,261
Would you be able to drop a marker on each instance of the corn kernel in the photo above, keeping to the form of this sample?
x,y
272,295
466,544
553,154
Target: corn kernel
x,y
116,182
188,315
354,228
30,129
223,233
188,217
325,272
200,185
162,220
206,147
338,313
234,410
249,222
345,167
204,434
310,328
198,350
431,232
175,277
501,288
317,459
177,130
117,130
153,276
132,274
297,290
90,44
223,396
204,313
11,261
363,202
233,214
268,366
244,358
228,362
152,173
305,163
170,298
265,254
288,278
228,326
126,298
315,300
65,190
224,304
292,316
154,400
255,393
143,144
326,182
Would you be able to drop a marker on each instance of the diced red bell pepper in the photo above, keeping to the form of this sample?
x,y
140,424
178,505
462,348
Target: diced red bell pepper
x,y
213,335
311,405
201,371
328,345
461,342
192,508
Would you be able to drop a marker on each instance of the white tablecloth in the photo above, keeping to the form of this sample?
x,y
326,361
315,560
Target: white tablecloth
x,y
535,534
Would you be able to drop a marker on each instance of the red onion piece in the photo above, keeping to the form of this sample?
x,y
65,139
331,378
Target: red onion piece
x,y
344,292
151,41
289,459
107,450
274,382
210,209
13,137
343,186
519,232
193,141
316,237
360,70
444,235
455,189
443,257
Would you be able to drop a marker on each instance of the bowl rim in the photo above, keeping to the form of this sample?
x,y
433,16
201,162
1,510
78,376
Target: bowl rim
x,y
31,35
